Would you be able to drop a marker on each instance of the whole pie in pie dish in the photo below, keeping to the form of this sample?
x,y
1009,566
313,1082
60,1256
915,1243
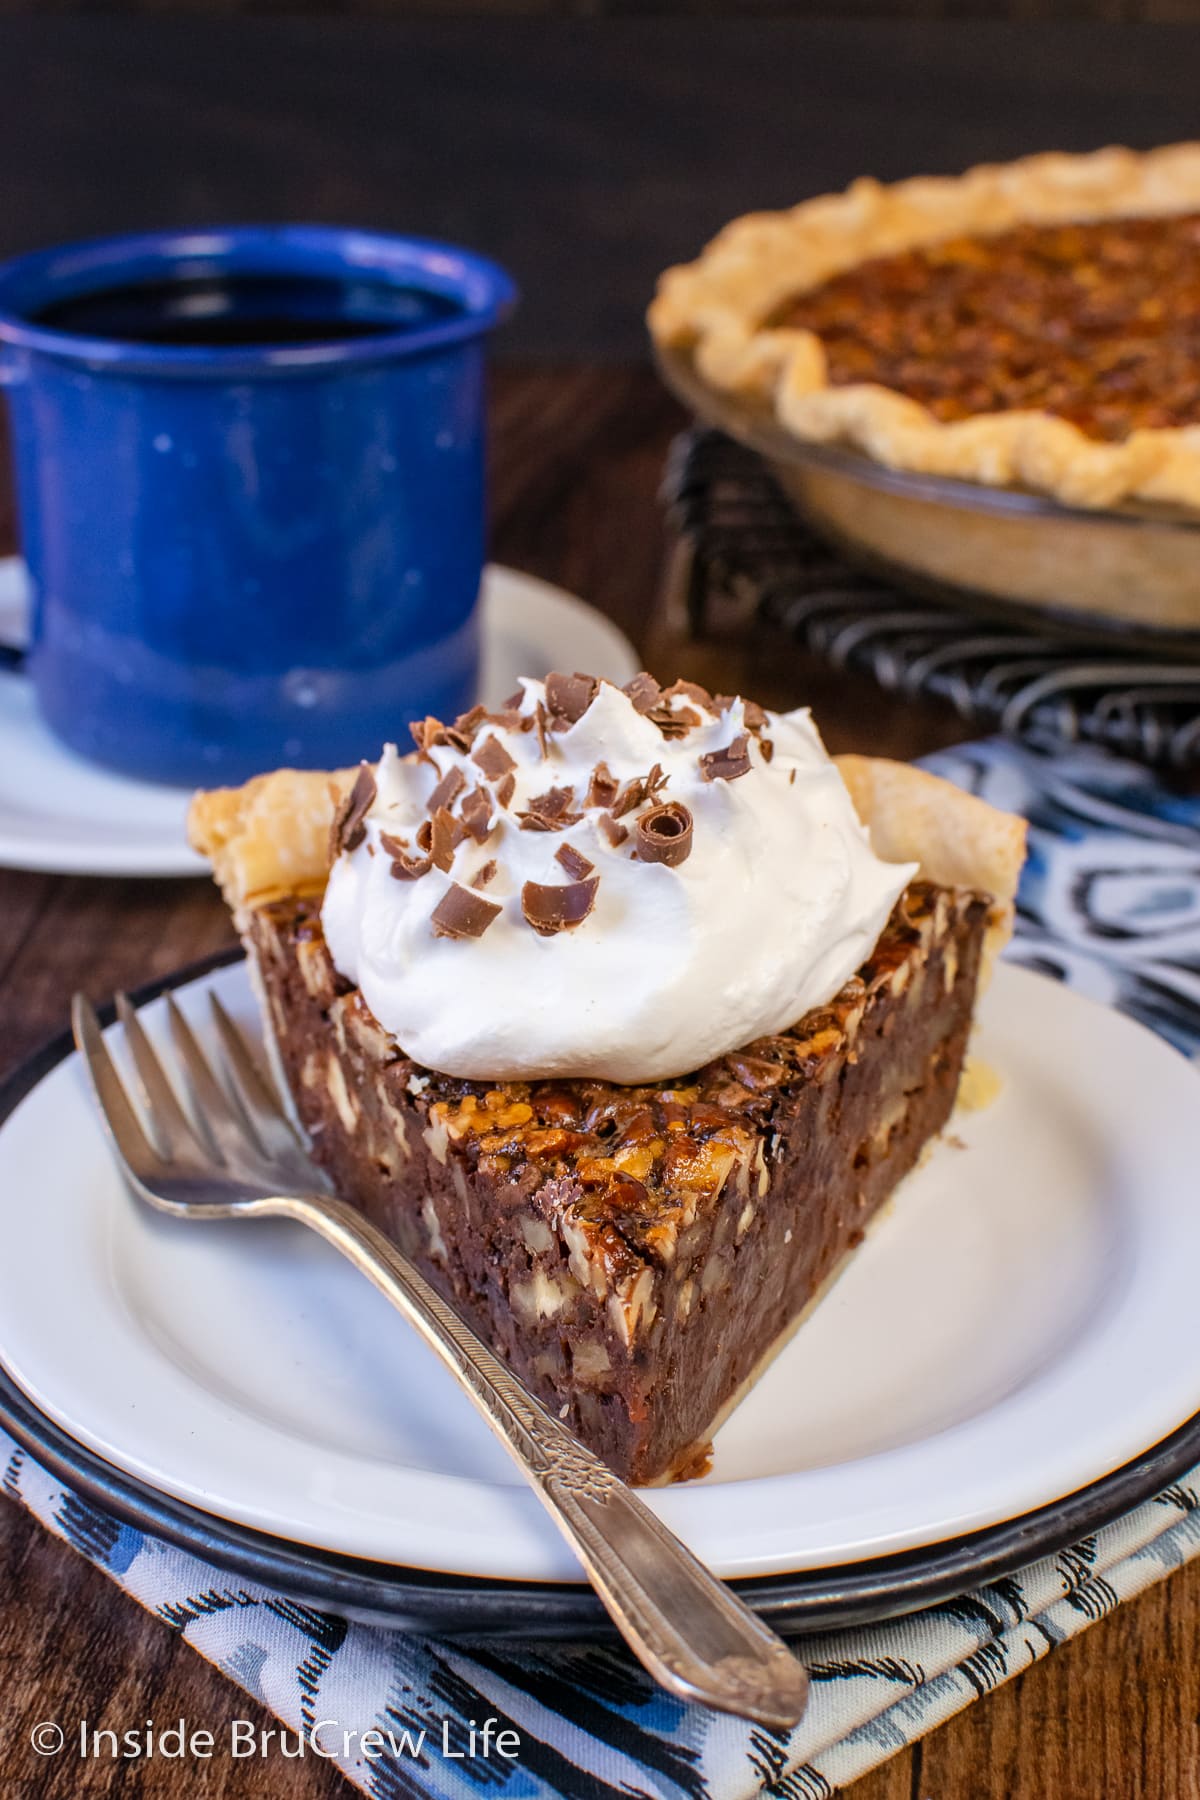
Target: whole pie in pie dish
x,y
1035,324
622,1012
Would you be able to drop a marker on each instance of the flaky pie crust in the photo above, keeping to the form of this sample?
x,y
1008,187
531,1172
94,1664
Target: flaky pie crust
x,y
270,838
712,308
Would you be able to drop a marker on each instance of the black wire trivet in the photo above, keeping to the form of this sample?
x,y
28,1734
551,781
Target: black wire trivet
x,y
746,542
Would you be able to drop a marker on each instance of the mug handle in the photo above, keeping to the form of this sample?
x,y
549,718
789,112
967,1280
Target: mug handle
x,y
12,656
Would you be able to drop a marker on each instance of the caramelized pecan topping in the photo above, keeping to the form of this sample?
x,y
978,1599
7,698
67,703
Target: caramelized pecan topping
x,y
664,834
729,763
462,914
553,909
349,822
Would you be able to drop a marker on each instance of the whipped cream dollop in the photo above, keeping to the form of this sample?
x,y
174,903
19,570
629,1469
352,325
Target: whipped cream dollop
x,y
606,882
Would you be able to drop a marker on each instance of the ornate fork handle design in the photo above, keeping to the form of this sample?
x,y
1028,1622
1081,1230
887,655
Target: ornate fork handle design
x,y
688,1628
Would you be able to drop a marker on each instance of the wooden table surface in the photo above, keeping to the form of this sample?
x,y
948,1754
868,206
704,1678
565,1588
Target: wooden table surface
x,y
578,457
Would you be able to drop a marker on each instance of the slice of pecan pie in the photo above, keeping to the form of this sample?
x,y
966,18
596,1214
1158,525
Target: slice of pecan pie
x,y
1032,324
635,1248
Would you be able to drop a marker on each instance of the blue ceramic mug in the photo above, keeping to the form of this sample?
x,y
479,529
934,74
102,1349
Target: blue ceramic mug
x,y
250,481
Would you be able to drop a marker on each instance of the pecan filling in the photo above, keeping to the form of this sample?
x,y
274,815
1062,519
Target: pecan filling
x,y
1097,323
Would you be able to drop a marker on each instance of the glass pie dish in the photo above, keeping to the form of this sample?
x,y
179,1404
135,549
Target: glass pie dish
x,y
1132,571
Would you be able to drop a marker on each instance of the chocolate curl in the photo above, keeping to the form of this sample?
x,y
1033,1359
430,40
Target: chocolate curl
x,y
643,692
551,811
729,763
553,909
349,822
692,690
492,758
672,723
639,790
447,790
463,730
405,867
426,733
568,697
446,834
573,861
664,834
462,914
603,787
476,814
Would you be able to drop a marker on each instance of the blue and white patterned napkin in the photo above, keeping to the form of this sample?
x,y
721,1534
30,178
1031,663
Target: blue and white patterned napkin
x,y
1111,904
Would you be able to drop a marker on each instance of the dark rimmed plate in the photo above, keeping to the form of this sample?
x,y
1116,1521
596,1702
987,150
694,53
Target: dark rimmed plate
x,y
447,1604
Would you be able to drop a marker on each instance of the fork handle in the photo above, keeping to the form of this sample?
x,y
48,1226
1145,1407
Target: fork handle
x,y
688,1629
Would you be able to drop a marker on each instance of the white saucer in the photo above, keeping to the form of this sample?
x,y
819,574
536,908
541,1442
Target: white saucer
x,y
60,813
1021,1323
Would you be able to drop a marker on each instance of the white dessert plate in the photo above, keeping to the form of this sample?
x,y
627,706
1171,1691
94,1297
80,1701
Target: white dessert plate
x,y
1020,1323
60,813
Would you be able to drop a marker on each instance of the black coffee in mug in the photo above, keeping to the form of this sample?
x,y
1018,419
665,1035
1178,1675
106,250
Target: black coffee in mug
x,y
224,311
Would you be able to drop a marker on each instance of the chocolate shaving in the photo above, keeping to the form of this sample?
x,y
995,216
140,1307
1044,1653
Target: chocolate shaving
x,y
446,835
447,790
673,723
568,697
551,811
692,690
664,834
553,909
506,789
427,733
573,861
754,715
492,758
767,746
424,834
485,874
468,723
729,763
461,914
404,867
515,701
476,814
603,787
349,821
639,790
643,691
541,720
615,833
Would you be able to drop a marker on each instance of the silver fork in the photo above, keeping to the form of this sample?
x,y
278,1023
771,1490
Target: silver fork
x,y
241,1159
